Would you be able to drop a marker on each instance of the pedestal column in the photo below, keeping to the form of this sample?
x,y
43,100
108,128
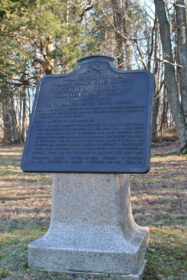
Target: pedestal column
x,y
92,229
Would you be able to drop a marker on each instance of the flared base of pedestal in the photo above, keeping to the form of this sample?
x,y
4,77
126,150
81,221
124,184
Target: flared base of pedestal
x,y
90,249
138,276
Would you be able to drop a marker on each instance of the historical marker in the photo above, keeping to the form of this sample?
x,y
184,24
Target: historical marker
x,y
94,119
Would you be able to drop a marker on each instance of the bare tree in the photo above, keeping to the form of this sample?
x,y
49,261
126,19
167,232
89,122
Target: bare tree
x,y
181,53
170,75
9,119
121,29
118,14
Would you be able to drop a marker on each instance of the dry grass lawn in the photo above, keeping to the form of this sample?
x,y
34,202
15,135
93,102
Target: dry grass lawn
x,y
158,200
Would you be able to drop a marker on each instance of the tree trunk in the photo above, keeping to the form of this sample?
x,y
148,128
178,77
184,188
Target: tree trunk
x,y
156,102
157,81
6,124
107,35
23,130
123,42
10,129
16,135
117,16
170,77
127,41
163,118
181,41
7,138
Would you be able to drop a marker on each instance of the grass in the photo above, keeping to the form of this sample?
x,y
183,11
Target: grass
x,y
158,201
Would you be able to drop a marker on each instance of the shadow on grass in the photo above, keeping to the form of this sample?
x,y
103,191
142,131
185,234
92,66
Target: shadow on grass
x,y
21,198
166,154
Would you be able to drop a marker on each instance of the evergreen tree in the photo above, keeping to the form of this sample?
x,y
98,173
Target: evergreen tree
x,y
39,37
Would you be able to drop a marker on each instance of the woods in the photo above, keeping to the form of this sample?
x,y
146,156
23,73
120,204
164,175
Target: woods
x,y
48,36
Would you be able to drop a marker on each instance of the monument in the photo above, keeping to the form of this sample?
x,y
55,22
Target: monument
x,y
93,125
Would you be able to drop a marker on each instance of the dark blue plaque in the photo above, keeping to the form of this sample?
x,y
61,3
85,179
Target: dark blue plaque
x,y
95,119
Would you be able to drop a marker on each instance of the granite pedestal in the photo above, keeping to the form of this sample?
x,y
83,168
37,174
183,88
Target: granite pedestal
x,y
92,229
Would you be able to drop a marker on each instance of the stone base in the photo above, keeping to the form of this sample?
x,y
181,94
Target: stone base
x,y
112,276
98,249
92,230
103,276
138,276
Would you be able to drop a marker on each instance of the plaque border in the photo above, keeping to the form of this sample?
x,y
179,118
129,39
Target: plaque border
x,y
80,62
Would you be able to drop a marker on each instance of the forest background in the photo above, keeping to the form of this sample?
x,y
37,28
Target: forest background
x,y
40,37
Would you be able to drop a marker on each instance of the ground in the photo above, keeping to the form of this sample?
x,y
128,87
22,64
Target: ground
x,y
158,201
